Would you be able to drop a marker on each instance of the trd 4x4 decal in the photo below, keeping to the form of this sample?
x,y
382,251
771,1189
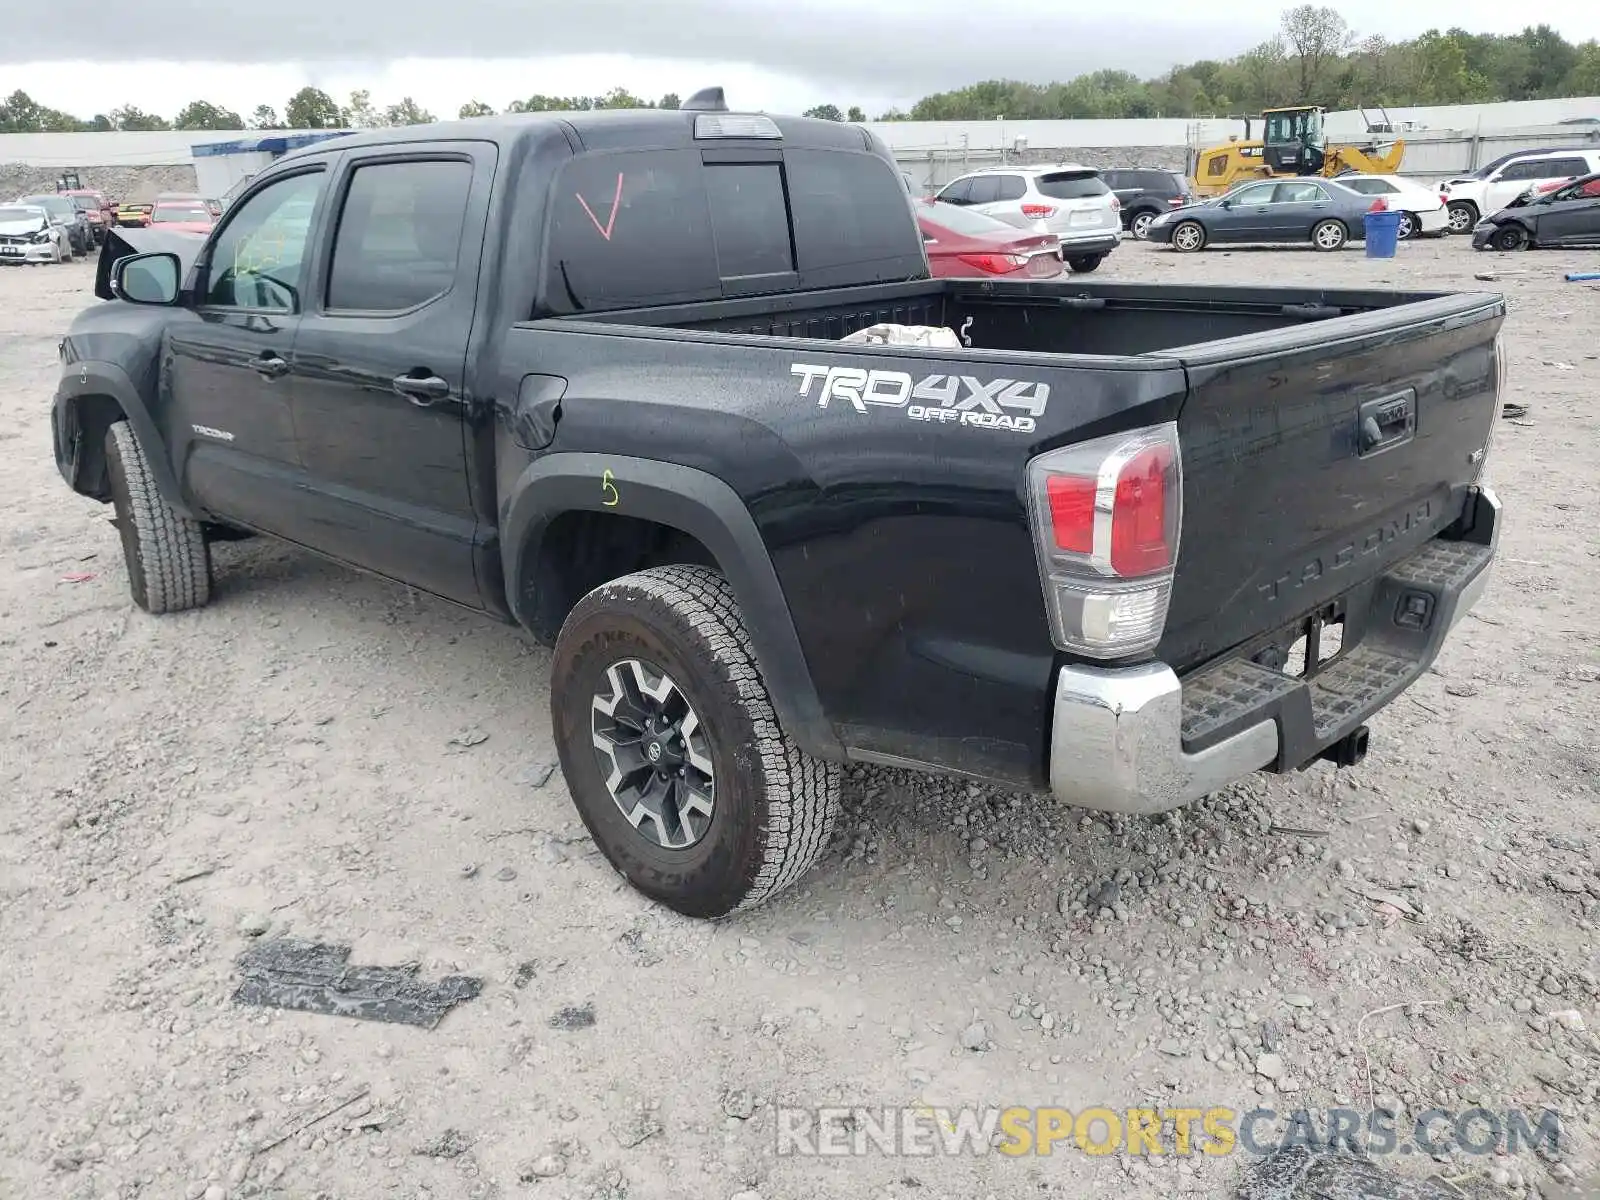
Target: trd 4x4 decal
x,y
960,399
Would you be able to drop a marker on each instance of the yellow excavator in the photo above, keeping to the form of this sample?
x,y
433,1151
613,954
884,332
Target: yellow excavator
x,y
1293,142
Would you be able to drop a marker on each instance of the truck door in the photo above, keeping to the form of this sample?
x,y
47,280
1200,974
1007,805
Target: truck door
x,y
380,384
225,413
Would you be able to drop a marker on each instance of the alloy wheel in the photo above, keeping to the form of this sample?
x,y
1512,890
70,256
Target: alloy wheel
x,y
654,754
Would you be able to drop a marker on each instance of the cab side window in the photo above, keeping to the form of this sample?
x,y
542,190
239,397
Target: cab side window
x,y
399,235
258,259
959,192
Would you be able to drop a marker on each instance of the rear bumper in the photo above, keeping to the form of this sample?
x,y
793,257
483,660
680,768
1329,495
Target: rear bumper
x,y
1098,242
1140,740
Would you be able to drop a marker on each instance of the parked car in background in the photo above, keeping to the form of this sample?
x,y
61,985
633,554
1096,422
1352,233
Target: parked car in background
x,y
1568,215
1145,194
193,216
96,209
1470,201
28,235
134,213
1315,210
965,244
1070,201
65,213
1422,210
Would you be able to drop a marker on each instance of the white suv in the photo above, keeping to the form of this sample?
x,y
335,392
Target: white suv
x,y
1471,199
1070,201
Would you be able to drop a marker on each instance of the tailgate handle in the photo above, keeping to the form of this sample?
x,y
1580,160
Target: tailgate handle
x,y
1386,422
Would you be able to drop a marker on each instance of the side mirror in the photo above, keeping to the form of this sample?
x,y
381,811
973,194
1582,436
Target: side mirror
x,y
146,279
1224,203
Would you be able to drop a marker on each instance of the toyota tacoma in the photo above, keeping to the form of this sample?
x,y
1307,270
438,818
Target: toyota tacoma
x,y
619,378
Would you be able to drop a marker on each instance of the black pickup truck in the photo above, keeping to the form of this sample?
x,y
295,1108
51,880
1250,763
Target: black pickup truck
x,y
1122,544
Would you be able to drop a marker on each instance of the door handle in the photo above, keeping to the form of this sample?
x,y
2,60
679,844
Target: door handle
x,y
421,390
271,366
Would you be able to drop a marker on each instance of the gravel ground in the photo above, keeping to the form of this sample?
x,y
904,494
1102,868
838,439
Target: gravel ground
x,y
326,755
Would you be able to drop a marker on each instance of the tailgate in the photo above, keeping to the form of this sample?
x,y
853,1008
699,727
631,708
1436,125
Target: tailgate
x,y
1316,459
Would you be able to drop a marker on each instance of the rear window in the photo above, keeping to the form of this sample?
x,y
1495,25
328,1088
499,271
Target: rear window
x,y
851,219
1072,185
749,219
639,228
630,229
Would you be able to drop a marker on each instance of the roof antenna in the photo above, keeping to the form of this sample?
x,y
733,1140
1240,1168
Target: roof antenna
x,y
709,99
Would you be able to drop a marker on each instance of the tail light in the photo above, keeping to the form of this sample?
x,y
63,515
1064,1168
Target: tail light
x,y
1106,518
1177,201
1038,212
995,264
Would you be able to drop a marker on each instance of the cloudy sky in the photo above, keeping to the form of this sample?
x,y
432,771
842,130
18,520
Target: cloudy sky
x,y
781,55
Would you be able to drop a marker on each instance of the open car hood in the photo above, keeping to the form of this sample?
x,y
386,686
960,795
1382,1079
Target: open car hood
x,y
123,241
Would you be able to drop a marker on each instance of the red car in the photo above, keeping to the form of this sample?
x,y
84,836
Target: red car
x,y
964,245
192,216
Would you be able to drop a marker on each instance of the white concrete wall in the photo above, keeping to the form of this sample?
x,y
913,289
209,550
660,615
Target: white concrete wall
x,y
65,150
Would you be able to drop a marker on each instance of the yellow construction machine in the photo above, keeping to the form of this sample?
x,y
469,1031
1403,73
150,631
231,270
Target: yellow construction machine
x,y
1293,142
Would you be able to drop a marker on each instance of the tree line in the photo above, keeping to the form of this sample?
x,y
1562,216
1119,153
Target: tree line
x,y
1314,57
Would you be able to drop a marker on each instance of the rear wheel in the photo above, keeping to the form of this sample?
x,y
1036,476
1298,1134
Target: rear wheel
x,y
169,564
1188,237
1084,263
1329,235
672,750
1510,237
1408,226
1139,223
1462,216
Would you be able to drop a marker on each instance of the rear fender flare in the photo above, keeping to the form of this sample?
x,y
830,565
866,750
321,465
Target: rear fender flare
x,y
707,509
94,379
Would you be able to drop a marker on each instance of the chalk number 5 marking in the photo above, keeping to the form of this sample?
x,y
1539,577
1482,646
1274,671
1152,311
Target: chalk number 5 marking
x,y
609,490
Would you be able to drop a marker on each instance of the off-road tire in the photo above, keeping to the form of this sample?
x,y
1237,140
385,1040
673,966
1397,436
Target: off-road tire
x,y
774,806
169,563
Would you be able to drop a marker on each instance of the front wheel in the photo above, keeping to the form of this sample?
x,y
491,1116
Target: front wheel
x,y
1139,225
1188,237
672,750
169,563
1510,238
1461,216
1329,235
1084,263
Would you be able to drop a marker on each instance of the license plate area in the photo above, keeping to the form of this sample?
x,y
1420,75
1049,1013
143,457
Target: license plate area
x,y
1085,217
1306,648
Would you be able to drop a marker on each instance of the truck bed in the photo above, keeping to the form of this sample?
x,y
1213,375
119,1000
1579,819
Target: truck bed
x,y
1076,317
910,540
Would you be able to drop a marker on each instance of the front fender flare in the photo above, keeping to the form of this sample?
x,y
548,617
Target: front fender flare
x,y
705,508
91,379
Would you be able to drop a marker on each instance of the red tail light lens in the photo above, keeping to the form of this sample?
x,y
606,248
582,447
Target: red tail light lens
x,y
1071,512
1140,539
995,264
1038,212
1107,516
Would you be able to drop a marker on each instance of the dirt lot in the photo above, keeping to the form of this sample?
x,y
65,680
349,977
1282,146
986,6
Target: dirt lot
x,y
292,760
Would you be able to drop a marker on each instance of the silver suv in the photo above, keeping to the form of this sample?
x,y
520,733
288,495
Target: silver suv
x,y
1068,200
